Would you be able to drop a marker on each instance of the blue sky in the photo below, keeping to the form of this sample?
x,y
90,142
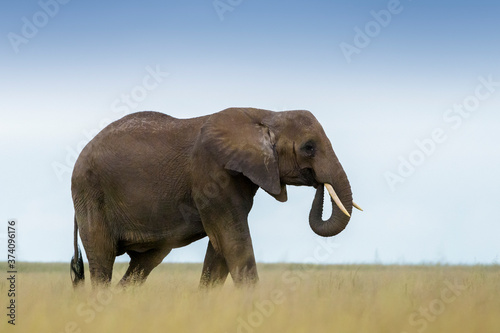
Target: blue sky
x,y
68,78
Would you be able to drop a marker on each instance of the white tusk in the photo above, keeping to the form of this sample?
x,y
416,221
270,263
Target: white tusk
x,y
356,206
336,199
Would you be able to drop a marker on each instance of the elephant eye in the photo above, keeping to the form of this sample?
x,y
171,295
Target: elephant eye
x,y
309,148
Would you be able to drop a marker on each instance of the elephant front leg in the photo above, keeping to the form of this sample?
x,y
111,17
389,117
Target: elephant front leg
x,y
241,262
224,215
230,250
234,256
215,268
237,251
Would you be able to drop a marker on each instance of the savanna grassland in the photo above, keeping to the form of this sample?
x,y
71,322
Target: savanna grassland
x,y
289,298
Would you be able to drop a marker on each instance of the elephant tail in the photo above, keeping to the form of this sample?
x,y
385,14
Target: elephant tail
x,y
77,272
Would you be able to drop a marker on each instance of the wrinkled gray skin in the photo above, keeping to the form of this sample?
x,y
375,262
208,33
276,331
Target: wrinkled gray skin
x,y
148,183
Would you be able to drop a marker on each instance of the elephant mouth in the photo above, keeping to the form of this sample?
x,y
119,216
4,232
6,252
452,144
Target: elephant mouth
x,y
309,177
300,177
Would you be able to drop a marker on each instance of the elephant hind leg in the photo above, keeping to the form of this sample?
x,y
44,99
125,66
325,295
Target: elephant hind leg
x,y
101,253
101,270
99,247
141,264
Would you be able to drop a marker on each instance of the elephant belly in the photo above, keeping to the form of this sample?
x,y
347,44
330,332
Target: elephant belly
x,y
141,225
174,238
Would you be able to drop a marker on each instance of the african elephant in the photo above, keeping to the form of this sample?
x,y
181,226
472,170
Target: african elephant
x,y
148,183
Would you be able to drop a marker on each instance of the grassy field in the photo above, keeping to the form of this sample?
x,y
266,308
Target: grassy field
x,y
289,298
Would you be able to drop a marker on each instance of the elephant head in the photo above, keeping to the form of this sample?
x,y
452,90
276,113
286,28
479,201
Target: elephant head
x,y
275,149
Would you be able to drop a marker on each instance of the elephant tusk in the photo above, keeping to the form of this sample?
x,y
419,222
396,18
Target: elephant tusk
x,y
336,199
355,205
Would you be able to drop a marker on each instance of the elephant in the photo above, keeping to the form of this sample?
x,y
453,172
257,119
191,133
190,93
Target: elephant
x,y
149,182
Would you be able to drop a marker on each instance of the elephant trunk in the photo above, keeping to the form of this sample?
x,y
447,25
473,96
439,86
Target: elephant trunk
x,y
339,219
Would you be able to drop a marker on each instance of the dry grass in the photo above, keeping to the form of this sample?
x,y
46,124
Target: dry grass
x,y
289,298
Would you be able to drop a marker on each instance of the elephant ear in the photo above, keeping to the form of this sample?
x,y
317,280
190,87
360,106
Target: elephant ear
x,y
239,141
